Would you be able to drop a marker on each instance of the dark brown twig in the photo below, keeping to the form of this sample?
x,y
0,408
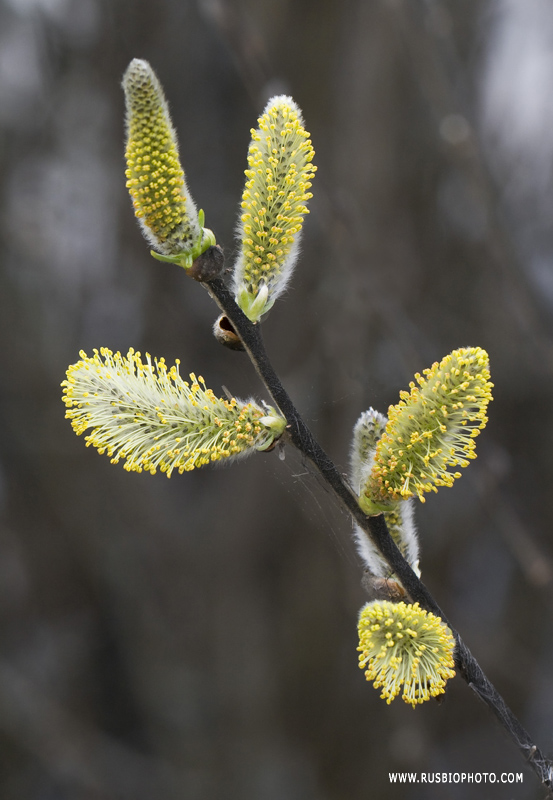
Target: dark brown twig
x,y
301,437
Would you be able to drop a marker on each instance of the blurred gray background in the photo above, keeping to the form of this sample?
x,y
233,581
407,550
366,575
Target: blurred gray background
x,y
195,639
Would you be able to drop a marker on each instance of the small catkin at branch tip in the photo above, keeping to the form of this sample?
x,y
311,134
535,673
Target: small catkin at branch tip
x,y
402,645
278,179
155,177
430,430
145,413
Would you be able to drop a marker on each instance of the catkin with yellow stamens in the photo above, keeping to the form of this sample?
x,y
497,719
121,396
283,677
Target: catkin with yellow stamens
x,y
145,413
404,648
155,177
278,179
431,430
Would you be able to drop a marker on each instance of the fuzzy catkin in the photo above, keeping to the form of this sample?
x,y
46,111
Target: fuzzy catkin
x,y
155,177
274,201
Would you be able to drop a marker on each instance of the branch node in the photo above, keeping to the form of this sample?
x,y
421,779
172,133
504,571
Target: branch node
x,y
209,265
225,334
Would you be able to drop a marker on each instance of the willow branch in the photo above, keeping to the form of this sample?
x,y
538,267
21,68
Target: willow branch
x,y
301,437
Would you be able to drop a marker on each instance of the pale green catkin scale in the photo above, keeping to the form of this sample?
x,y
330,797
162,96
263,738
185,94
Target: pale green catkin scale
x,y
155,177
366,433
274,201
370,433
401,527
144,413
402,530
399,517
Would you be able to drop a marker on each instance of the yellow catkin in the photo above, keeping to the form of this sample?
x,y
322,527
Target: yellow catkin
x,y
404,648
155,177
278,179
430,433
143,412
